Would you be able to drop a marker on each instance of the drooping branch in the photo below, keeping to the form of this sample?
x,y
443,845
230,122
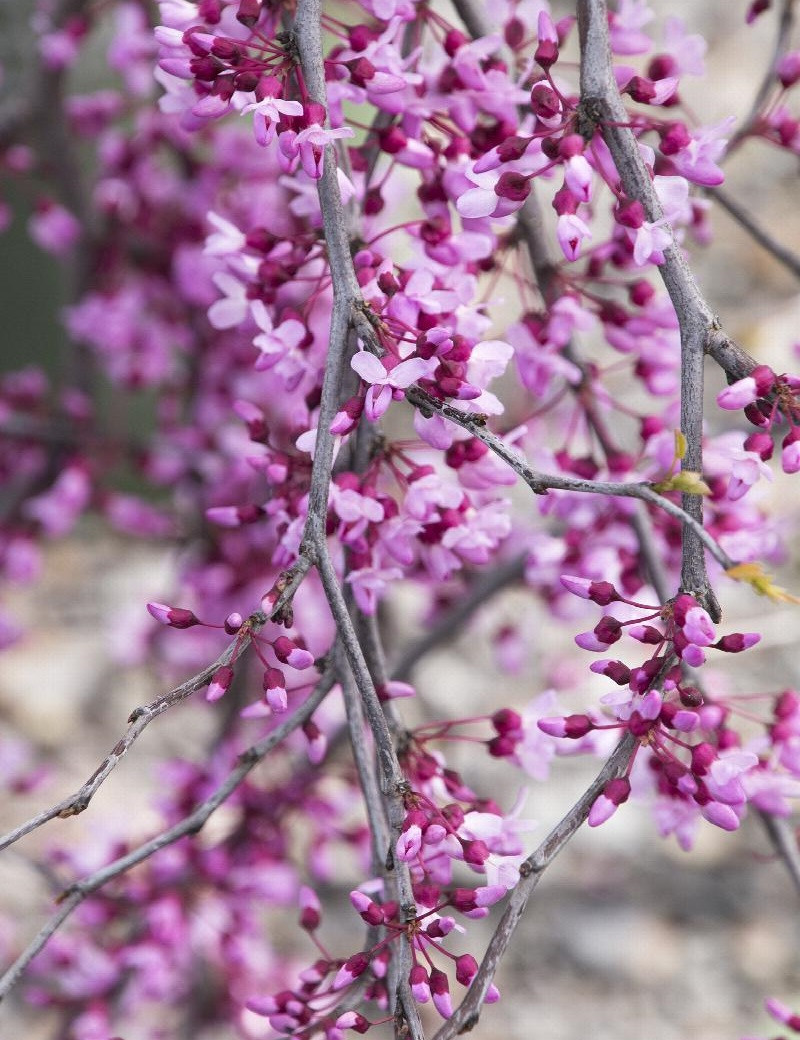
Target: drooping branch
x,y
602,104
483,589
540,483
138,721
75,894
767,84
784,841
531,870
789,259
348,321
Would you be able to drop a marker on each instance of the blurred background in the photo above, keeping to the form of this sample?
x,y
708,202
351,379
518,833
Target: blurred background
x,y
627,937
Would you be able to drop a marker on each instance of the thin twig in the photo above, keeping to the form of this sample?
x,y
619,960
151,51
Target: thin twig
x,y
138,720
789,259
349,320
74,895
784,841
540,483
393,784
767,84
487,585
531,870
602,105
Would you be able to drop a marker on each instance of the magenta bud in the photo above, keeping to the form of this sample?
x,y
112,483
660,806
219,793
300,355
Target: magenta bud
x,y
703,755
615,670
475,852
220,683
787,704
761,444
466,969
174,617
573,726
440,991
310,914
737,641
233,622
419,983
290,653
506,720
352,969
605,805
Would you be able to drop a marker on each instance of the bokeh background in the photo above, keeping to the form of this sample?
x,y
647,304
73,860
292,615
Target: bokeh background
x,y
627,937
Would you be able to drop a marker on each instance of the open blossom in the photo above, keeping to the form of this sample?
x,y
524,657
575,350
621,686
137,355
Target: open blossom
x,y
267,112
310,145
571,231
383,381
698,161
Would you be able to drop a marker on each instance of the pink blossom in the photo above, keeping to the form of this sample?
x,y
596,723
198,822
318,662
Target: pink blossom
x,y
698,162
311,142
233,308
571,230
383,381
267,112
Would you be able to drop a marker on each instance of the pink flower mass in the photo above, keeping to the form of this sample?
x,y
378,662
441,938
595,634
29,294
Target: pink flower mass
x,y
383,330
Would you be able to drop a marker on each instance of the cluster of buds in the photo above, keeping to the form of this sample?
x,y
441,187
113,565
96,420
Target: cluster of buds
x,y
661,708
768,399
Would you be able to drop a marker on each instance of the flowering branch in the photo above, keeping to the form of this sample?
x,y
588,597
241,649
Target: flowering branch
x,y
602,104
539,483
139,719
782,39
466,1016
75,894
789,259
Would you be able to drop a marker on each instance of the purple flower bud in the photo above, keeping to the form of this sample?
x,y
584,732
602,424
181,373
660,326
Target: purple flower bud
x,y
506,720
573,726
290,653
605,805
440,990
353,1020
738,395
698,627
737,641
514,186
440,927
646,634
761,444
233,622
317,741
274,686
220,683
721,815
419,983
488,895
781,1013
615,670
310,915
600,592
787,704
174,617
703,755
352,969
790,453
466,969
475,852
